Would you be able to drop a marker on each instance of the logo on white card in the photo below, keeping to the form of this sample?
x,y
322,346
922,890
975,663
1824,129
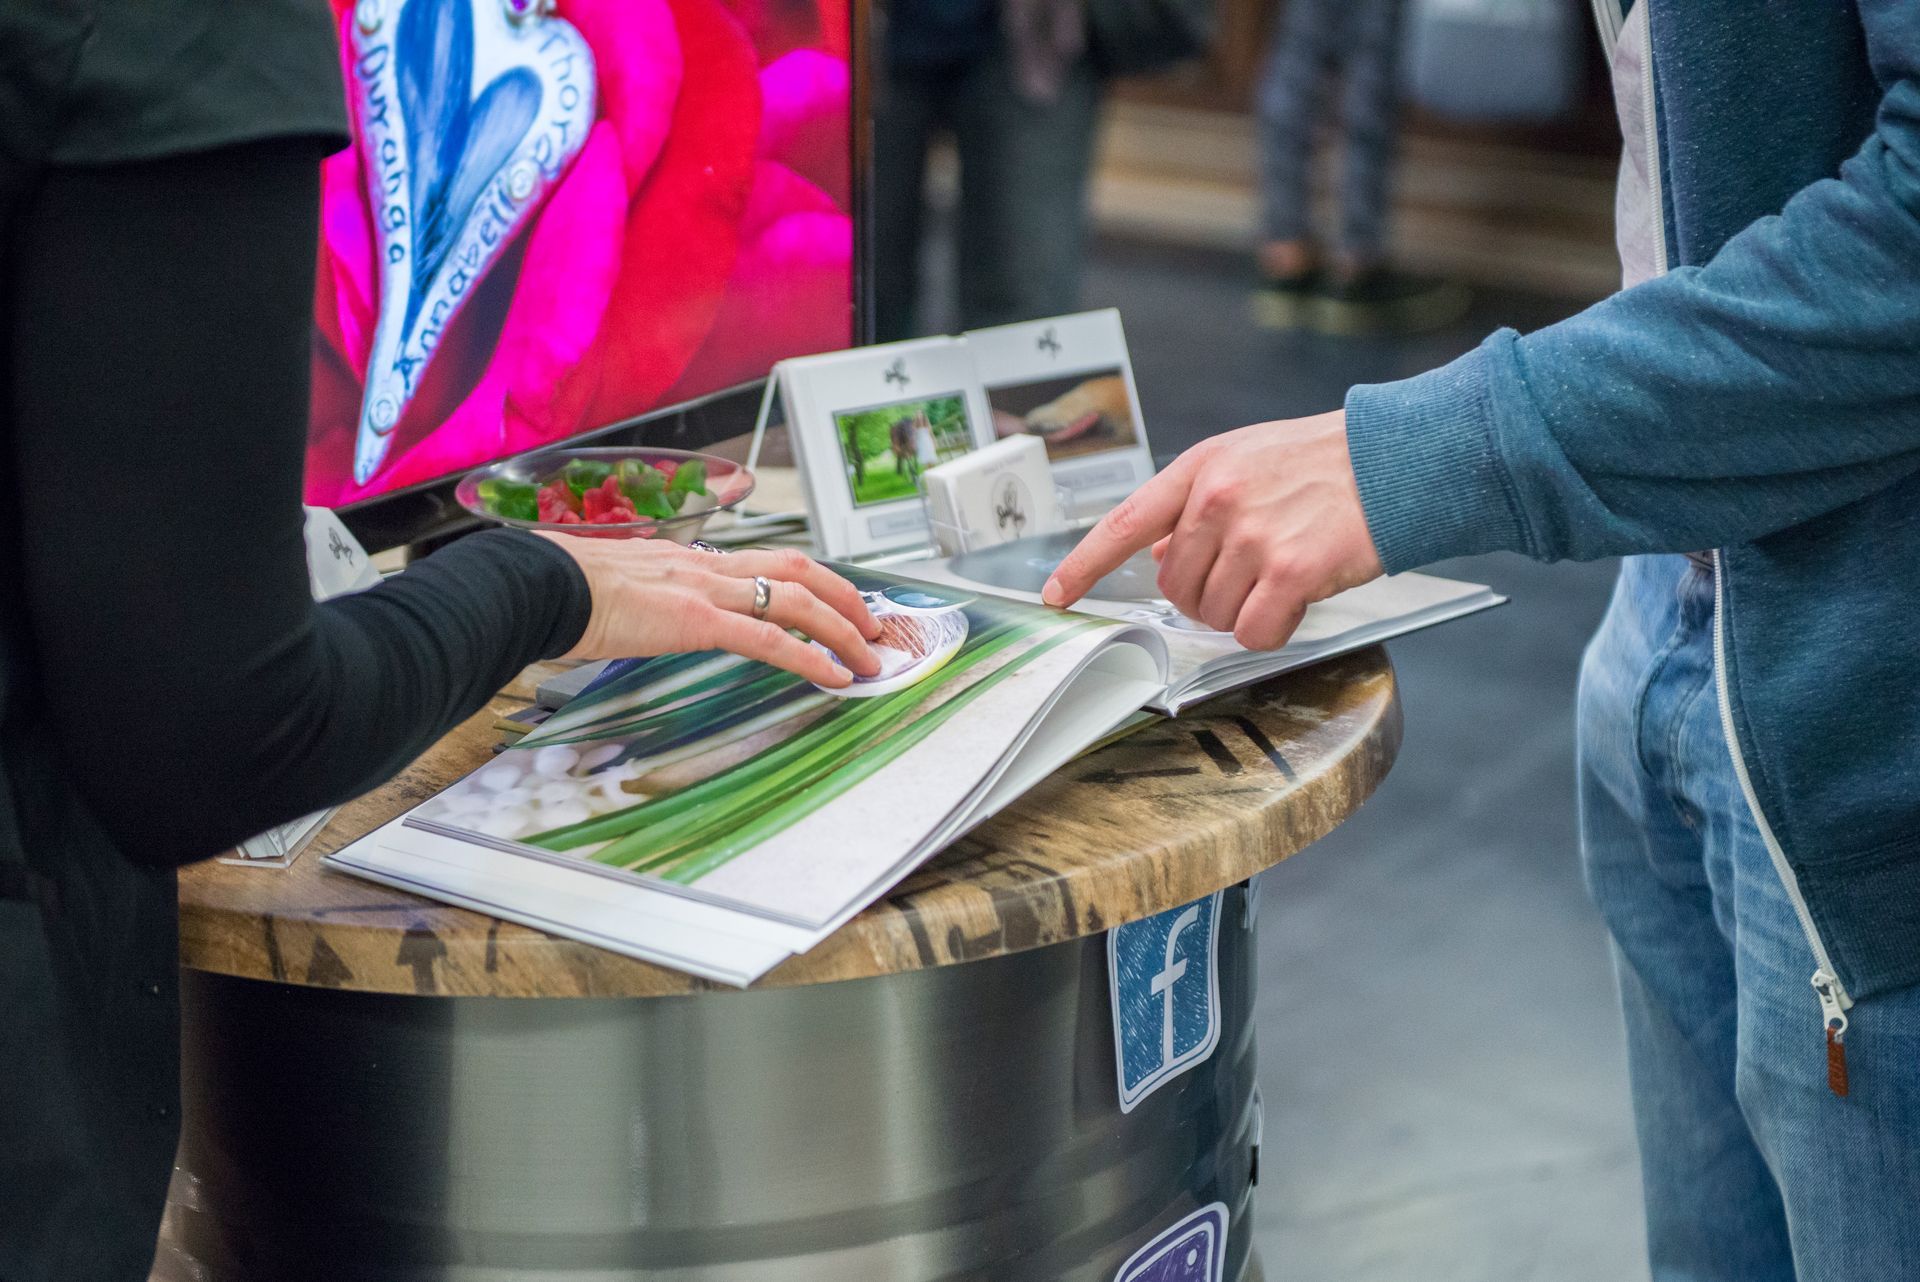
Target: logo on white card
x,y
897,372
1048,342
1164,977
1193,1250
1012,506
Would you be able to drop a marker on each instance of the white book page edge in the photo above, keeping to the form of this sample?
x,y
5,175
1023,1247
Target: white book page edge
x,y
627,918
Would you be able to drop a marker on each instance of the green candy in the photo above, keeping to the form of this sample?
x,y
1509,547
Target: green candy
x,y
690,478
515,500
651,503
646,487
637,474
582,475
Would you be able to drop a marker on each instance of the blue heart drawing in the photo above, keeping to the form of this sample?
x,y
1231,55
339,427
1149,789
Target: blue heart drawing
x,y
456,143
453,175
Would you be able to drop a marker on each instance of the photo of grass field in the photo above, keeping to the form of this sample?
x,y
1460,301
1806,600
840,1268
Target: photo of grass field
x,y
886,447
680,764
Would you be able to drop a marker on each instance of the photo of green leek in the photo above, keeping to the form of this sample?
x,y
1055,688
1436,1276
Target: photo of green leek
x,y
677,765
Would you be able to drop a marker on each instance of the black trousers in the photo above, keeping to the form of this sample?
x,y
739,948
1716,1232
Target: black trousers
x,y
1023,189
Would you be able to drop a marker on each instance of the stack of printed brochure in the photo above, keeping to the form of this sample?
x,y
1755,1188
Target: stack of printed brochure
x,y
716,815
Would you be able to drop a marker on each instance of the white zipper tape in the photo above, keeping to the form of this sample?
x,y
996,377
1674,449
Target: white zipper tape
x,y
1827,974
1650,132
1834,1001
1607,17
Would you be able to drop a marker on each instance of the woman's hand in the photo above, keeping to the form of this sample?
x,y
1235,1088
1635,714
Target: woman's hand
x,y
1250,528
654,597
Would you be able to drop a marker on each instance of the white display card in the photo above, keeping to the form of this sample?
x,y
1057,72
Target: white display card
x,y
1069,381
998,493
866,423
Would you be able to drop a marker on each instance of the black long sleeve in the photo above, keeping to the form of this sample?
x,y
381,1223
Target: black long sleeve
x,y
192,691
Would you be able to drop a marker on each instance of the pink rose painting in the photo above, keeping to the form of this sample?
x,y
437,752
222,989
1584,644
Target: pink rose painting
x,y
558,216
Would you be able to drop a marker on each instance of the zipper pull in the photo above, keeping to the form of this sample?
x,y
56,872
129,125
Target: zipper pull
x,y
1834,1018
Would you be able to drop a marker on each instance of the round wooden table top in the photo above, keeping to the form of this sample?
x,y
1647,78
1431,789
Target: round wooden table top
x,y
1176,810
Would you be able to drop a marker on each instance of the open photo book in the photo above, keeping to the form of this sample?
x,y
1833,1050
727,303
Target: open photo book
x,y
1201,662
717,815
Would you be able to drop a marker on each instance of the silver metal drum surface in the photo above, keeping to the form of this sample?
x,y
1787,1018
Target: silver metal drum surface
x,y
956,1123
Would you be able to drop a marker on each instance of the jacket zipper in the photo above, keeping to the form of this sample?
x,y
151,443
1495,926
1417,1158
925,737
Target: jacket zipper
x,y
1607,16
1650,129
1834,1001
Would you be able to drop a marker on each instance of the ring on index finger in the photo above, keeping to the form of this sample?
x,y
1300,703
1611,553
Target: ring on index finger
x,y
762,596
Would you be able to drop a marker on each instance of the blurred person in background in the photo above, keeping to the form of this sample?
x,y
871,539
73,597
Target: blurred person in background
x,y
1343,285
1014,83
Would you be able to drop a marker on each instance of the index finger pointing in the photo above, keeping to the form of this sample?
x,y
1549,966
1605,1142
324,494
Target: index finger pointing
x,y
1142,519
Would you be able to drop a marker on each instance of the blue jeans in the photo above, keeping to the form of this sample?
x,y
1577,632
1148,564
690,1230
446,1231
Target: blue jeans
x,y
1359,40
1754,1169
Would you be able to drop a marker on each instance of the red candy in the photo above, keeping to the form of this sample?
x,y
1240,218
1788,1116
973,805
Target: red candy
x,y
557,504
605,504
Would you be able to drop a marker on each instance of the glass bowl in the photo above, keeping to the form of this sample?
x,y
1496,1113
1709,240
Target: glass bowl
x,y
729,483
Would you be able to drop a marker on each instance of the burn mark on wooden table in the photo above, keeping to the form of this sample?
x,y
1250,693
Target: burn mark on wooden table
x,y
325,968
276,964
1267,747
1118,778
1221,755
420,948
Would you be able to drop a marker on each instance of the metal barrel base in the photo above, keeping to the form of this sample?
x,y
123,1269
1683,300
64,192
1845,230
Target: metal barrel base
x,y
955,1123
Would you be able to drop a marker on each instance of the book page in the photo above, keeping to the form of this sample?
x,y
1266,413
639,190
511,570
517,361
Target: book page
x,y
740,785
1201,661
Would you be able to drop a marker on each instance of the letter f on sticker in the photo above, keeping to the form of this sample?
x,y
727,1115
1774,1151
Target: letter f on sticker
x,y
1163,982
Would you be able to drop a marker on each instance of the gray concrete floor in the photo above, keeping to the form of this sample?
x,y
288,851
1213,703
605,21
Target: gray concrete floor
x,y
1441,1057
1439,1048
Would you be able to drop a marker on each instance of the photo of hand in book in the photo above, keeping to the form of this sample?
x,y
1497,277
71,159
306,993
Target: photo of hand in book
x,y
682,763
919,632
1077,415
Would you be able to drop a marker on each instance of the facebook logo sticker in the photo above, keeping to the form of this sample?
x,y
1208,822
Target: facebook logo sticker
x,y
1165,985
1194,1250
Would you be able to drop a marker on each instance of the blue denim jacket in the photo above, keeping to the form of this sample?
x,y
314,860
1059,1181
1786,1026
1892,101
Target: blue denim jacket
x,y
1762,398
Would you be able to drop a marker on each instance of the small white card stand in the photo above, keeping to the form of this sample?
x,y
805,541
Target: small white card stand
x,y
817,392
1067,379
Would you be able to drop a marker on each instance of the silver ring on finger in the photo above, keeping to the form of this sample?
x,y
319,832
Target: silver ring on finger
x,y
701,545
762,596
